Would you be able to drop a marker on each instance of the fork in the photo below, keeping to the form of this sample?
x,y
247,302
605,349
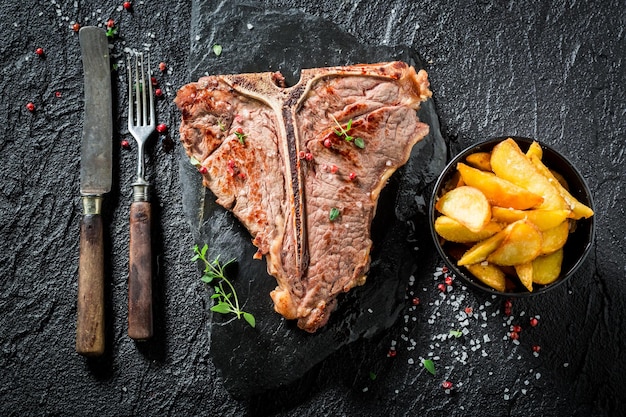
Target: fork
x,y
141,125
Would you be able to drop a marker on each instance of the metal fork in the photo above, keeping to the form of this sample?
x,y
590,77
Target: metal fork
x,y
141,124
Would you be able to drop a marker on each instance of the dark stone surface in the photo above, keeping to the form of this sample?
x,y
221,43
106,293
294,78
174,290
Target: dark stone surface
x,y
552,70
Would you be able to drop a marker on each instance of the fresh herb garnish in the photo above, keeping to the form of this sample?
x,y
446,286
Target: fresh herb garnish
x,y
372,376
429,365
111,32
217,49
456,333
334,214
343,133
214,273
221,125
241,137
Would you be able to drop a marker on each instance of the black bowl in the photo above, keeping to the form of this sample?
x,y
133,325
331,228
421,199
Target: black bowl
x,y
578,243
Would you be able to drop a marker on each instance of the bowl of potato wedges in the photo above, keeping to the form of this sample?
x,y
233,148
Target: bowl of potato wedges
x,y
512,216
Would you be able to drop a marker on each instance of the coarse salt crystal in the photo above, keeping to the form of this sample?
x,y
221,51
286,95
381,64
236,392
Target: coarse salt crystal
x,y
565,365
410,361
524,391
537,375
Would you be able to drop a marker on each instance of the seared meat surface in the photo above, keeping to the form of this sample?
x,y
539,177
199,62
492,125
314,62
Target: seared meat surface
x,y
302,167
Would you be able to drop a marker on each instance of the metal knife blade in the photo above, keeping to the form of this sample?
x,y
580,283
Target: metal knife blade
x,y
95,180
96,147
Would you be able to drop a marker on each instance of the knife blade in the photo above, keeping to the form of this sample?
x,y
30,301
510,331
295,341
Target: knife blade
x,y
95,180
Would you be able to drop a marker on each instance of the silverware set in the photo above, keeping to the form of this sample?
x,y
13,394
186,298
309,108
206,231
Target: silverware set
x,y
95,181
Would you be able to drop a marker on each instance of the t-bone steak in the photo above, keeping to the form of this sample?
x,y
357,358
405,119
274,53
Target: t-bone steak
x,y
302,167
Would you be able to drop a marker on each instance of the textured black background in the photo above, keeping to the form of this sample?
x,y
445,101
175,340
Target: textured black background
x,y
551,70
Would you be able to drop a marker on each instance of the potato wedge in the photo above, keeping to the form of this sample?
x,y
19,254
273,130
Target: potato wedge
x,y
479,160
525,275
489,274
522,244
508,162
482,249
535,149
547,268
498,191
467,205
579,210
554,238
453,231
543,219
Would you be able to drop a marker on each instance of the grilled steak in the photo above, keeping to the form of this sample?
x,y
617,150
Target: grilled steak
x,y
302,167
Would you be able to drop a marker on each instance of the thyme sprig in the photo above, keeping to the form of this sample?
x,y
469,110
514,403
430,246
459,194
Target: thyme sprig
x,y
224,291
343,133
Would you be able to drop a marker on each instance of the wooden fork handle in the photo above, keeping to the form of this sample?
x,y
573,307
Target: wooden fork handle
x,y
140,275
90,307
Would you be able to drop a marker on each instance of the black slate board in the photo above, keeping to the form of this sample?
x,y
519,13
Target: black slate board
x,y
276,352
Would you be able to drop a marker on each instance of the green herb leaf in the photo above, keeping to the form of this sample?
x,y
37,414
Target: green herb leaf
x,y
429,365
111,32
214,272
196,163
359,142
217,49
221,307
372,376
334,214
456,333
250,319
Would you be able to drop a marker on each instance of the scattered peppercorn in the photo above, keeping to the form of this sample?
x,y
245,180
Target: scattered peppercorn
x,y
301,154
534,322
110,23
203,170
352,176
308,156
416,301
153,80
392,353
76,27
448,280
57,94
125,144
334,169
161,128
39,51
446,385
128,5
469,310
162,66
328,143
442,287
536,348
30,106
517,328
514,335
158,92
444,269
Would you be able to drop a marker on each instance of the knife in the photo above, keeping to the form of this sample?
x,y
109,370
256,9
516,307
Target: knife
x,y
95,180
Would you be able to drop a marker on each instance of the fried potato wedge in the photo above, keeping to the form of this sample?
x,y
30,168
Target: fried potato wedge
x,y
453,231
498,191
522,244
554,238
510,163
479,160
489,274
547,268
535,149
543,219
579,210
484,248
467,205
525,275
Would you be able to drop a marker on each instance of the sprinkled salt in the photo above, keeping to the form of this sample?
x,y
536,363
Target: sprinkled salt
x,y
410,361
249,26
537,375
524,391
565,365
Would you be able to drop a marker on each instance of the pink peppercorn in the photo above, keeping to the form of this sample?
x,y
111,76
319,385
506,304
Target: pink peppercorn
x,y
448,280
328,143
203,170
124,144
158,92
534,322
162,66
161,128
442,287
352,176
30,106
446,385
39,51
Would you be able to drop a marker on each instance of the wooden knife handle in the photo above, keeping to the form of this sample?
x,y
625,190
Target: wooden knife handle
x,y
140,276
90,308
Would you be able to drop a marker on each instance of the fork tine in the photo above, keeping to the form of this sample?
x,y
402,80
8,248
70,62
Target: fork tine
x,y
144,95
129,73
152,116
